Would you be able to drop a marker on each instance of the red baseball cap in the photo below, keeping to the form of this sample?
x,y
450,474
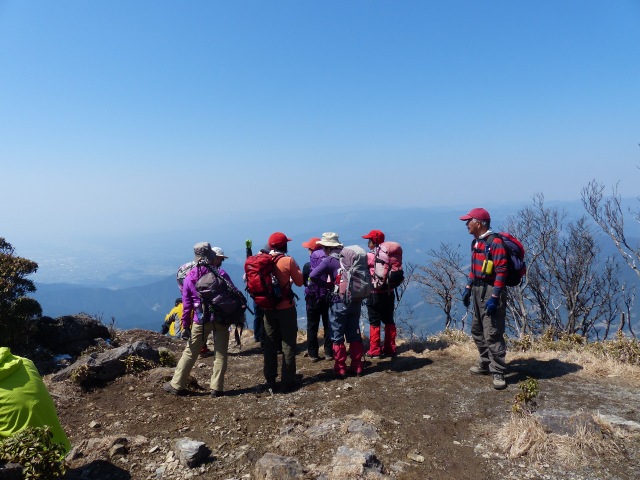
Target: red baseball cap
x,y
278,239
478,214
312,244
376,235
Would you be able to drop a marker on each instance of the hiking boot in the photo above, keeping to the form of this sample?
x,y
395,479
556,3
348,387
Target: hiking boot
x,y
290,387
368,355
479,370
167,387
205,352
217,393
498,381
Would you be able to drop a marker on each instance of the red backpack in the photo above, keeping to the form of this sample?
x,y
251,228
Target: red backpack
x,y
262,284
516,266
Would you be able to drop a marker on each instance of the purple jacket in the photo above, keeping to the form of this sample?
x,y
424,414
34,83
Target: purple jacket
x,y
191,299
314,288
328,267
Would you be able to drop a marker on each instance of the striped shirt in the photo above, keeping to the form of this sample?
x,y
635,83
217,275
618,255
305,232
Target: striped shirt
x,y
499,257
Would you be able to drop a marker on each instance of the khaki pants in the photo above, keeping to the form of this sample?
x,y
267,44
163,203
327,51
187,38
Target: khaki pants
x,y
199,333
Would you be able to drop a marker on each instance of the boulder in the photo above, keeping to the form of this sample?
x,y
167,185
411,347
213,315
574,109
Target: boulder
x,y
108,365
71,334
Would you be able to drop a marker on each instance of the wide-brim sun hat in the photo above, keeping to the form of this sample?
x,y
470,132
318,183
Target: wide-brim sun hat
x,y
329,239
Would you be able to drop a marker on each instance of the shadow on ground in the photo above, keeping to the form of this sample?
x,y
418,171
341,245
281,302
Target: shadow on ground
x,y
98,470
540,369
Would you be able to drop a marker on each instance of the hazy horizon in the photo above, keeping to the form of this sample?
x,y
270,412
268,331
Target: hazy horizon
x,y
120,117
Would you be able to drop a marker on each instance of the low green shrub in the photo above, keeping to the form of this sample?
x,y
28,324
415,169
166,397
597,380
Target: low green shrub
x,y
167,359
34,449
135,364
525,399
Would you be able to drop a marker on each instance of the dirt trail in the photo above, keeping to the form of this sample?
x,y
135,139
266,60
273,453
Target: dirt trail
x,y
421,405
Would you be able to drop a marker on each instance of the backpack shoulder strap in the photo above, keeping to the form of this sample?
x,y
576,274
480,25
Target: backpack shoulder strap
x,y
227,284
488,240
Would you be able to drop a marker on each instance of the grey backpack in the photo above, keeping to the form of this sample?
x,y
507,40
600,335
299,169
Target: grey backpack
x,y
220,297
355,279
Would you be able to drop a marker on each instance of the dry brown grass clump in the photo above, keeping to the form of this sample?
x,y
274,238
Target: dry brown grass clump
x,y
440,341
620,349
612,358
524,436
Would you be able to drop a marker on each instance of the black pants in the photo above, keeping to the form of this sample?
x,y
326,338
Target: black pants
x,y
318,310
380,308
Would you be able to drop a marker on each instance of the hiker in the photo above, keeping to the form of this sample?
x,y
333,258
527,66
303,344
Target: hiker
x,y
281,320
345,323
203,324
24,399
317,302
258,314
183,271
486,293
380,305
172,325
258,321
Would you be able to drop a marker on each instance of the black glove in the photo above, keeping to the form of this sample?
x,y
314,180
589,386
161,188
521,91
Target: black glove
x,y
491,305
186,334
466,297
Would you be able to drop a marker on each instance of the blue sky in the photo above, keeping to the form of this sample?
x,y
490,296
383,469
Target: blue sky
x,y
128,115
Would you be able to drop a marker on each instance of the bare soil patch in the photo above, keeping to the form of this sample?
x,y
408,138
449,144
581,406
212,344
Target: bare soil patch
x,y
431,418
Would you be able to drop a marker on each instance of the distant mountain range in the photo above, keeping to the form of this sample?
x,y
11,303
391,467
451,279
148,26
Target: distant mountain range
x,y
132,279
146,306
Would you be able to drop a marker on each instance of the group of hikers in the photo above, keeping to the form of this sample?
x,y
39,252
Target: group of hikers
x,y
337,280
328,299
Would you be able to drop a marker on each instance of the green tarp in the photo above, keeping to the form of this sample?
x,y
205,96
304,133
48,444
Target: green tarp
x,y
25,400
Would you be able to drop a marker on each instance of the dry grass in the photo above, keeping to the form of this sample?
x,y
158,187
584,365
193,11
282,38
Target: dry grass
x,y
593,365
453,341
524,436
610,359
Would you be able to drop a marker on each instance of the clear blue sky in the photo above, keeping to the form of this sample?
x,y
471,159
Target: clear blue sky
x,y
125,114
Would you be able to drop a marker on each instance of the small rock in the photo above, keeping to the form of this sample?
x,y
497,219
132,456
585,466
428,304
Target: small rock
x,y
415,457
94,424
276,466
191,452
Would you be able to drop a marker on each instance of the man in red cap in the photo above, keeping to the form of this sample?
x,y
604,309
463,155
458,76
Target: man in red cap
x,y
318,303
486,292
281,321
380,307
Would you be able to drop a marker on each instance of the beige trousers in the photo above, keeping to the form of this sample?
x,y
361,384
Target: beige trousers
x,y
199,334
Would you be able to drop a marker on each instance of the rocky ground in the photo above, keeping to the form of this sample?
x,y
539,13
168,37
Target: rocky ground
x,y
420,415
